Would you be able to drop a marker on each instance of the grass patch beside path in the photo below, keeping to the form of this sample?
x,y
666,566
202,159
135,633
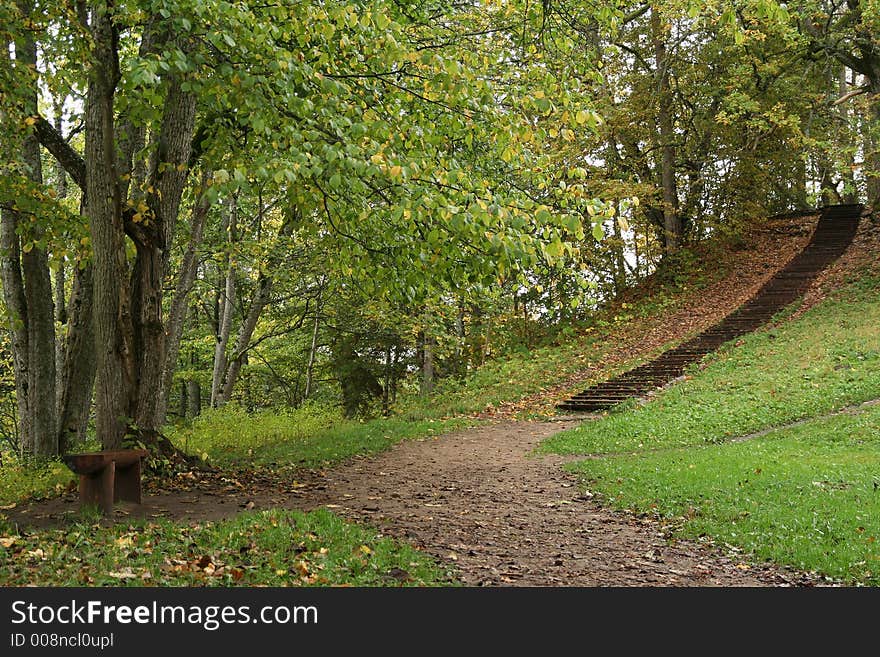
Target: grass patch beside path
x,y
270,548
306,437
806,496
19,482
827,359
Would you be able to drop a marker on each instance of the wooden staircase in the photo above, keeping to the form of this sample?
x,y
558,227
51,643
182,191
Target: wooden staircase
x,y
835,230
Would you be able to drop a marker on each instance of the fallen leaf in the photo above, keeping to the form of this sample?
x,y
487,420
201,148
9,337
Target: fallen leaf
x,y
7,541
124,574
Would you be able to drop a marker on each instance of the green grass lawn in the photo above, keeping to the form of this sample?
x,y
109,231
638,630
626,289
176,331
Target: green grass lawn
x,y
807,496
270,548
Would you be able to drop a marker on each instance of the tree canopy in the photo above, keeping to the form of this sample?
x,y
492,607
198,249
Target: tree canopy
x,y
272,202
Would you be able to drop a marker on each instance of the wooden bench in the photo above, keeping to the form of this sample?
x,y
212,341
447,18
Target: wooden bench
x,y
109,476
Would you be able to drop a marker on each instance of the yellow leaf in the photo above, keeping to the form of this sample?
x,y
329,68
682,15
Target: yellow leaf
x,y
365,549
378,158
31,120
7,541
281,572
396,171
581,117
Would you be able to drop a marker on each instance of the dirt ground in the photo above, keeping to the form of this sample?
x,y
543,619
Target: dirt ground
x,y
479,500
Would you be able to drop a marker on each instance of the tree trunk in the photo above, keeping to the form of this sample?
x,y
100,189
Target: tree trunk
x,y
313,348
16,310
168,176
194,398
180,301
113,334
60,280
78,375
226,305
427,384
183,404
619,257
245,332
872,148
672,229
25,272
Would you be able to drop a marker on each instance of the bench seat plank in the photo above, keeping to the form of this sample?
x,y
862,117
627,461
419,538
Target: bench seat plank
x,y
91,462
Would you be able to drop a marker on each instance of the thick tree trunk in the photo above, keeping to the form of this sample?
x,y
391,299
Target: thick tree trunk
x,y
672,228
168,176
41,354
29,298
113,335
183,403
16,310
194,398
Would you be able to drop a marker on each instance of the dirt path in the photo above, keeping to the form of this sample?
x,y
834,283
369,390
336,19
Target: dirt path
x,y
480,501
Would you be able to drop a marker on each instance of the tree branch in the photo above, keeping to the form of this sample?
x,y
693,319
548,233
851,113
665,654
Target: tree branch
x,y
67,157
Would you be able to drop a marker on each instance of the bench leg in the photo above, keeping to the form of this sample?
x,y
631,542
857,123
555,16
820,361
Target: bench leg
x,y
97,488
128,483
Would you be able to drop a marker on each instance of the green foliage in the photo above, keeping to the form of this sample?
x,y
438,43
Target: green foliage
x,y
271,548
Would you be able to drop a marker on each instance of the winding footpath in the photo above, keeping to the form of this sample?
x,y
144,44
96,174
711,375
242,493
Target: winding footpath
x,y
500,515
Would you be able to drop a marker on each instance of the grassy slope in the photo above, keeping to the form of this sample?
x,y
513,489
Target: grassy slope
x,y
806,495
827,359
